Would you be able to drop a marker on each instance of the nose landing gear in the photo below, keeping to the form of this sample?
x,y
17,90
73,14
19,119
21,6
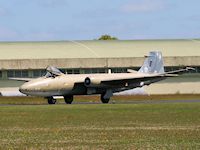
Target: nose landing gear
x,y
51,100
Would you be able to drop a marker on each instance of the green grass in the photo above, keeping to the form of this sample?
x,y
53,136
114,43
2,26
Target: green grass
x,y
111,126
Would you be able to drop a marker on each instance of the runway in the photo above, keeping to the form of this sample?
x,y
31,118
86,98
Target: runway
x,y
143,102
112,102
159,101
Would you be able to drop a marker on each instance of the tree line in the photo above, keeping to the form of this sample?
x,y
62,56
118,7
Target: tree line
x,y
107,37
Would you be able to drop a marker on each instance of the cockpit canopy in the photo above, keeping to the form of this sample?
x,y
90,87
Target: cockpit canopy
x,y
52,72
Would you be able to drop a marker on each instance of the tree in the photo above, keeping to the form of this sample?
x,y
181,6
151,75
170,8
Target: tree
x,y
107,37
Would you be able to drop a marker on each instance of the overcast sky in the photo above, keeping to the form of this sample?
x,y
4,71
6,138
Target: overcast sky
x,y
33,20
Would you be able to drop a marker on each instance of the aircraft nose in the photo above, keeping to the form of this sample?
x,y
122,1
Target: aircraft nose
x,y
22,89
25,88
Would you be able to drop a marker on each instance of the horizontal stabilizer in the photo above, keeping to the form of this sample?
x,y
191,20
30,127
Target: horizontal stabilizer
x,y
181,70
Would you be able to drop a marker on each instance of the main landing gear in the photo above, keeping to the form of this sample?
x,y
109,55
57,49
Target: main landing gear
x,y
105,97
68,99
104,100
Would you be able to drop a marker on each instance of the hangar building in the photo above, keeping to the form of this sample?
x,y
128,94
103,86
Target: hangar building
x,y
29,59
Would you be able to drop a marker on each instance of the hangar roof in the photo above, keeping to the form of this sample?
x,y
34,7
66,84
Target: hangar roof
x,y
97,49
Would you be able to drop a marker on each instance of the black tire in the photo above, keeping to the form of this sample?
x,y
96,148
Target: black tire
x,y
69,99
104,100
51,100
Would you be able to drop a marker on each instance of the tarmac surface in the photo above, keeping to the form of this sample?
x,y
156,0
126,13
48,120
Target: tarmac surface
x,y
118,102
143,102
161,101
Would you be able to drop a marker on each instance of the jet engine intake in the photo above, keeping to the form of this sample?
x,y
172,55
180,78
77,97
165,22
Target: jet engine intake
x,y
92,82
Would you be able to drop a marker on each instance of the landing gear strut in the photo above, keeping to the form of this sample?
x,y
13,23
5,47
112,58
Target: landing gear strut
x,y
68,99
51,100
105,97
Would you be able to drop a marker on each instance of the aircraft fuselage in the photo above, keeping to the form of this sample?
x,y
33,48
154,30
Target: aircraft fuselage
x,y
66,84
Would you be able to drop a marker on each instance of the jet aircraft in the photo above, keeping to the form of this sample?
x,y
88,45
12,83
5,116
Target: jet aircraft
x,y
55,83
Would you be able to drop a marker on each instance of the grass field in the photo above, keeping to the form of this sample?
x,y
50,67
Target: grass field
x,y
99,126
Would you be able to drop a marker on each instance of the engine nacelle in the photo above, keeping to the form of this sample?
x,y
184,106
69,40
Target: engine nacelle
x,y
92,82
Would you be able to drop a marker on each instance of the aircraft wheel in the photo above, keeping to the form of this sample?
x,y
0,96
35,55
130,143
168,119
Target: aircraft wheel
x,y
51,100
104,100
69,99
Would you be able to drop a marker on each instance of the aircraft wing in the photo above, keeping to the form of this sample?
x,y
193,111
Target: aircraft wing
x,y
143,80
138,81
21,79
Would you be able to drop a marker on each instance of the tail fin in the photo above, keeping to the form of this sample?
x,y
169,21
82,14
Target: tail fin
x,y
153,63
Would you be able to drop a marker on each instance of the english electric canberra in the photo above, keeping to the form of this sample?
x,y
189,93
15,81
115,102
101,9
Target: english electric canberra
x,y
55,83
